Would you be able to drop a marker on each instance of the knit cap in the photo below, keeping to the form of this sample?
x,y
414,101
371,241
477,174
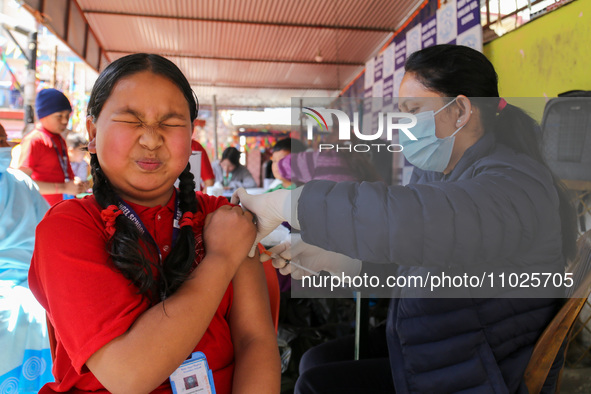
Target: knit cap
x,y
50,101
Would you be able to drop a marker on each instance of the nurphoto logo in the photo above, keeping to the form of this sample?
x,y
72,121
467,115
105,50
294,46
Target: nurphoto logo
x,y
399,121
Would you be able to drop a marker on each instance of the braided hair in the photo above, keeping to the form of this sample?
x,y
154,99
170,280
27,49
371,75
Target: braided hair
x,y
127,246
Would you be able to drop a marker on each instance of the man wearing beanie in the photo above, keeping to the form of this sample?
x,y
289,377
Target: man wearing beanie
x,y
44,154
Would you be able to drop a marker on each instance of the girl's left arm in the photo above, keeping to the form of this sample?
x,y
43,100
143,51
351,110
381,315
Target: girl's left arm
x,y
258,367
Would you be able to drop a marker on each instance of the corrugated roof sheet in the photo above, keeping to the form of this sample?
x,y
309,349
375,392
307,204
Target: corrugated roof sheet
x,y
248,49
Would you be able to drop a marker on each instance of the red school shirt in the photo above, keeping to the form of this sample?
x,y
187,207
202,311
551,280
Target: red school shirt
x,y
89,303
206,170
38,153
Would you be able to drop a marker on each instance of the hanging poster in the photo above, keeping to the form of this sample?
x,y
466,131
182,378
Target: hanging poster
x,y
447,26
399,52
367,106
468,15
413,40
378,93
388,90
378,71
471,38
429,32
369,73
398,74
388,61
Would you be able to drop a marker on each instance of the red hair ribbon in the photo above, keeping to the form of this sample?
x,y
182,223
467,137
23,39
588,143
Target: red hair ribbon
x,y
502,104
109,214
186,219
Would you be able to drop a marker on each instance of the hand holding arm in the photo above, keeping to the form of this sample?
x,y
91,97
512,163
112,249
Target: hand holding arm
x,y
229,226
270,209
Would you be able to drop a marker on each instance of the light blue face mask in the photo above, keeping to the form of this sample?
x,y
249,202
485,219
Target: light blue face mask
x,y
428,152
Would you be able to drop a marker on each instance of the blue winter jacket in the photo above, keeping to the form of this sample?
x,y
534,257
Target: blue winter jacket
x,y
495,209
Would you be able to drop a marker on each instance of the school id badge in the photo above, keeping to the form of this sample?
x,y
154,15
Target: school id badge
x,y
193,376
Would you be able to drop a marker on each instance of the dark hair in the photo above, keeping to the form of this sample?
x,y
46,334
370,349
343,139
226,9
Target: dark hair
x,y
76,140
232,154
289,144
455,69
132,64
127,247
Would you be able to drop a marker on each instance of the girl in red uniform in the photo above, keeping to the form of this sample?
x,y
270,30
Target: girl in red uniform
x,y
140,275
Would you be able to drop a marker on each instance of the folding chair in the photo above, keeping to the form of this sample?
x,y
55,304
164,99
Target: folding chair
x,y
552,338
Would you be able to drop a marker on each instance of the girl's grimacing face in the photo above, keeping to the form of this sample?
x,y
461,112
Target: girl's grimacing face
x,y
142,137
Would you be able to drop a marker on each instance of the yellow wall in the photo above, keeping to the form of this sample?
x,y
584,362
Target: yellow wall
x,y
547,56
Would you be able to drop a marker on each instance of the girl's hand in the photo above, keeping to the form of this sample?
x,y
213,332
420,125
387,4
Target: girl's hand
x,y
229,232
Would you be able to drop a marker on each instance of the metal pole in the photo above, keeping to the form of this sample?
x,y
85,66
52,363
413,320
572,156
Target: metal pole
x,y
54,65
361,326
302,132
72,87
215,128
30,84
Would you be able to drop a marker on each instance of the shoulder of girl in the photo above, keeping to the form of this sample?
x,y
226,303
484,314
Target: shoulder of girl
x,y
76,207
208,204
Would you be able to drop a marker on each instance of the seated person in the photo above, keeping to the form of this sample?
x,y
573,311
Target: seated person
x,y
281,149
230,173
23,330
207,176
77,154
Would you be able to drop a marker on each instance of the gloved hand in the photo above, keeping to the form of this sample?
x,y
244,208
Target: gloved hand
x,y
270,210
311,259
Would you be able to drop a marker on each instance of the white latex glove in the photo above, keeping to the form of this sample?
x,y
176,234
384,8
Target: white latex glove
x,y
294,256
270,210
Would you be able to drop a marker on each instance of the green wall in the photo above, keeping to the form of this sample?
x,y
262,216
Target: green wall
x,y
547,56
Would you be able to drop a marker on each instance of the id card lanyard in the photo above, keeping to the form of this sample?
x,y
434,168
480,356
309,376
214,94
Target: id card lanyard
x,y
129,213
193,376
63,158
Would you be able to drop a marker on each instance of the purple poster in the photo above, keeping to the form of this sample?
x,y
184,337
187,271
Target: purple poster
x,y
378,70
429,32
468,14
367,102
388,90
400,52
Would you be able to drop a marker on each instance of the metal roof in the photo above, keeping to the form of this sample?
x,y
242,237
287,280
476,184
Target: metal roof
x,y
249,53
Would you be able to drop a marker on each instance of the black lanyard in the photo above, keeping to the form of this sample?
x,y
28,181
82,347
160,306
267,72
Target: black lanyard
x,y
137,222
63,157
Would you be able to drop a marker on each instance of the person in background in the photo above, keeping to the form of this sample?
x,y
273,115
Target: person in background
x,y
332,165
281,149
25,359
44,155
230,173
207,176
78,156
269,179
140,275
481,198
